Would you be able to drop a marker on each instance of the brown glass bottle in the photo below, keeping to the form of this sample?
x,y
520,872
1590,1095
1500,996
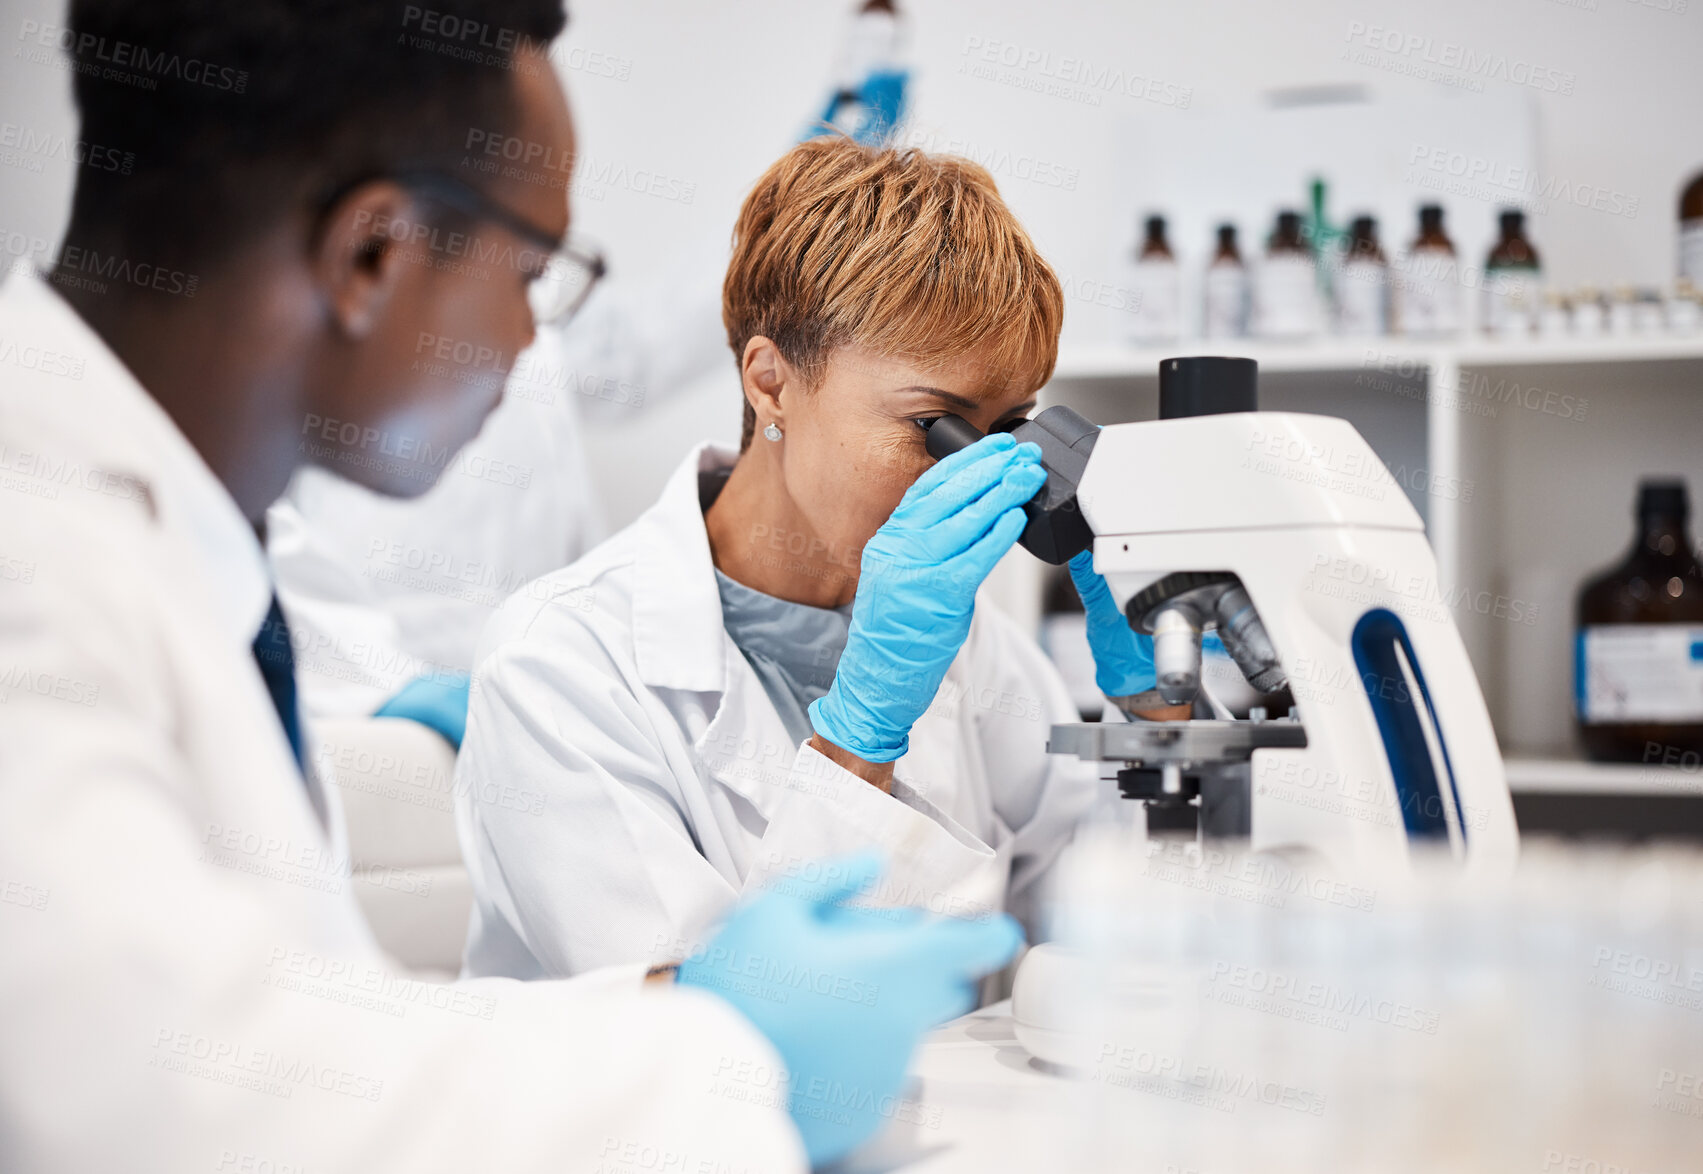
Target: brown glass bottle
x,y
1363,240
1227,253
1638,664
1224,307
1513,250
1286,299
1513,280
1156,289
1154,246
1430,294
1362,282
1286,237
1431,234
1691,231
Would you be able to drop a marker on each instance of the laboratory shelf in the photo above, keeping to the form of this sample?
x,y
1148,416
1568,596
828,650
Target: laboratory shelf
x,y
1558,352
1122,361
1531,775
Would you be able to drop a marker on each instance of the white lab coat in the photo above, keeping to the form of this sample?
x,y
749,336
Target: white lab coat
x,y
186,981
625,776
379,591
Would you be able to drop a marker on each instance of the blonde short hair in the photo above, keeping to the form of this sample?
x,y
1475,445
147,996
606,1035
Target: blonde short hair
x,y
909,255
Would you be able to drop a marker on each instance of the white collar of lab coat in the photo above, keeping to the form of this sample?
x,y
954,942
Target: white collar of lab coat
x,y
109,419
679,640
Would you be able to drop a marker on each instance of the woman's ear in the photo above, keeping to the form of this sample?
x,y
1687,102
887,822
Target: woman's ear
x,y
768,378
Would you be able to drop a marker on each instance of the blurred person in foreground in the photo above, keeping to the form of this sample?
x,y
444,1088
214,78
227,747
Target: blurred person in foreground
x,y
190,982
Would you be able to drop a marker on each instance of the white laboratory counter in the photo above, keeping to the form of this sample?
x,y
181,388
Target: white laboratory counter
x,y
978,1105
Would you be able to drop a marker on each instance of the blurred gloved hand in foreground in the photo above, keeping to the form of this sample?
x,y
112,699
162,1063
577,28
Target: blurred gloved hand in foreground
x,y
916,592
845,993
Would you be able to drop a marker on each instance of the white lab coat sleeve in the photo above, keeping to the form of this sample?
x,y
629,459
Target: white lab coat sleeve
x,y
572,818
1041,797
1015,696
150,1019
826,812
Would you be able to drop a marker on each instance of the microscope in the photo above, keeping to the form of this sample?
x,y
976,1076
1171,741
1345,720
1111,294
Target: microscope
x,y
1286,535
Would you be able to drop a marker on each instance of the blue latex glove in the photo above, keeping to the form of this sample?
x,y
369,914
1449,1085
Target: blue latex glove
x,y
438,702
883,98
845,993
880,97
916,592
1123,658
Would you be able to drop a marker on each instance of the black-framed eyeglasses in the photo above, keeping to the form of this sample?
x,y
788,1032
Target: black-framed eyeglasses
x,y
571,273
571,268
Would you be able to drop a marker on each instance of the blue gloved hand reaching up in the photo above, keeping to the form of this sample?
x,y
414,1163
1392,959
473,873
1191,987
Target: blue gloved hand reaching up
x,y
845,993
916,592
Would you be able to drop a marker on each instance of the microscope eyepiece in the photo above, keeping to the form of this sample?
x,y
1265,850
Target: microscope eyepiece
x,y
1057,531
948,434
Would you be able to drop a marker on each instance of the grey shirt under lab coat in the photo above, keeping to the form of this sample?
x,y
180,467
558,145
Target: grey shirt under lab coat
x,y
792,647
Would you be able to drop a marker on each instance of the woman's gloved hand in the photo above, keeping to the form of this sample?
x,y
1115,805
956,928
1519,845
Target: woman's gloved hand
x,y
846,993
1123,660
917,589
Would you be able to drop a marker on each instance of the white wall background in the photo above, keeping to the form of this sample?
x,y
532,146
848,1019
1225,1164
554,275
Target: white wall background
x,y
717,90
713,92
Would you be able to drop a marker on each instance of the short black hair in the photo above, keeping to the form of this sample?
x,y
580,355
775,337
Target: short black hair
x,y
238,112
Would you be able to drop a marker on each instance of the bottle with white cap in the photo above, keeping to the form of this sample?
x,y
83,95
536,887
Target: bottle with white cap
x,y
1363,288
1513,280
1428,288
1155,283
1226,301
1286,289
